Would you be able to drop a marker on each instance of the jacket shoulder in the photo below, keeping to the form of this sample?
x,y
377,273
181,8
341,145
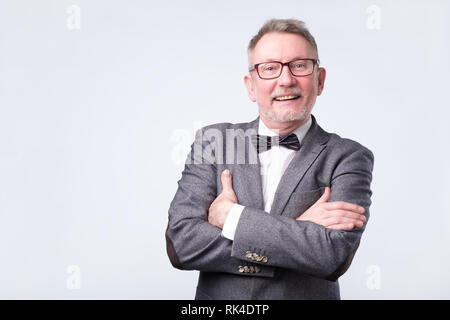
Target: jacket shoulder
x,y
345,145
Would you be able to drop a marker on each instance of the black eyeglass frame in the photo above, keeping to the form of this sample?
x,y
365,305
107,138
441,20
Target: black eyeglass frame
x,y
255,67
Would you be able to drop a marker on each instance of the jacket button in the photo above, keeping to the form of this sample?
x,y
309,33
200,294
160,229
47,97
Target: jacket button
x,y
246,270
257,269
241,269
264,259
248,255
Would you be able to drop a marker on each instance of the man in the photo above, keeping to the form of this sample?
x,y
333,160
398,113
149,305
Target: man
x,y
286,224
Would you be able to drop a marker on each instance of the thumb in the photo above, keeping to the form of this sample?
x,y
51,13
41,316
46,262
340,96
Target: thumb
x,y
227,184
325,196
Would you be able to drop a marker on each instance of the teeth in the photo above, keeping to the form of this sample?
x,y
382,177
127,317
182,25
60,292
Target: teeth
x,y
285,98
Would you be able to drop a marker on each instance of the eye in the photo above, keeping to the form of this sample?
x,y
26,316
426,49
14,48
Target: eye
x,y
269,67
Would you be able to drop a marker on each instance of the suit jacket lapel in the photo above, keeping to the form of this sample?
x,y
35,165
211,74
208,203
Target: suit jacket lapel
x,y
250,171
312,145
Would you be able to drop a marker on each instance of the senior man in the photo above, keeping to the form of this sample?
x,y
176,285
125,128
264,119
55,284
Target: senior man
x,y
273,208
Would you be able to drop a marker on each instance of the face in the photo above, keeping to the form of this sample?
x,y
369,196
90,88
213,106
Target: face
x,y
284,47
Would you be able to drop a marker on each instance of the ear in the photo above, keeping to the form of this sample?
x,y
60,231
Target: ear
x,y
321,80
249,85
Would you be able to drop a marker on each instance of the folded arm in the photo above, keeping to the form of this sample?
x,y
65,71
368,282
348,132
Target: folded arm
x,y
306,246
192,242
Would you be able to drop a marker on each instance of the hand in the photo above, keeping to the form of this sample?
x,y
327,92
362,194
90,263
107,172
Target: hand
x,y
221,206
337,215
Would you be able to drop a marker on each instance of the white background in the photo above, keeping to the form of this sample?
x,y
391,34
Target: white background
x,y
90,144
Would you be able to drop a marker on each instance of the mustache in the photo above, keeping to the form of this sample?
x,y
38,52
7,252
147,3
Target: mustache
x,y
286,92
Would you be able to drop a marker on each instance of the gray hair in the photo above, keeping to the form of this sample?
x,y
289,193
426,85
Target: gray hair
x,y
293,26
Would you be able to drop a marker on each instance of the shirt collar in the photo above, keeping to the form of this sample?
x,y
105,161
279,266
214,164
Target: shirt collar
x,y
300,132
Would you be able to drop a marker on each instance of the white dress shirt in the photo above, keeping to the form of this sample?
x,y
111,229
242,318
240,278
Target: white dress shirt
x,y
273,165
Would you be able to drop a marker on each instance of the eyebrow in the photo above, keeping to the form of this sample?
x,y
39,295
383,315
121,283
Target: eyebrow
x,y
296,58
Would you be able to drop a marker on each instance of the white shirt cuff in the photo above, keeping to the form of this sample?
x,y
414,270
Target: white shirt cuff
x,y
231,222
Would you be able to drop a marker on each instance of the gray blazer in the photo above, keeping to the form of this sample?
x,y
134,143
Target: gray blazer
x,y
273,256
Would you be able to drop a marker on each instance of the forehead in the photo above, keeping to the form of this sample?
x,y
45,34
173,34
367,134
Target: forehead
x,y
281,47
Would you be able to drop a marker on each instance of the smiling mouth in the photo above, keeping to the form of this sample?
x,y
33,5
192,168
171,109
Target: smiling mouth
x,y
285,98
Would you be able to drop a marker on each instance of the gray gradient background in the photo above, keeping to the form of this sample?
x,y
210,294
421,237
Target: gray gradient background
x,y
89,124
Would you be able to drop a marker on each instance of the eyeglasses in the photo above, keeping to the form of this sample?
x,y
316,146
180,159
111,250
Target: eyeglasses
x,y
273,69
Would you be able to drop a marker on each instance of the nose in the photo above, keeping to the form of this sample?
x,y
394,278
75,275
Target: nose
x,y
286,78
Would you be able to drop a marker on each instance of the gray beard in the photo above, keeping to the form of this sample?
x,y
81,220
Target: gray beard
x,y
301,115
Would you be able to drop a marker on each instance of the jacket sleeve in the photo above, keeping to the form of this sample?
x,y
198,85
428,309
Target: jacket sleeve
x,y
304,246
193,243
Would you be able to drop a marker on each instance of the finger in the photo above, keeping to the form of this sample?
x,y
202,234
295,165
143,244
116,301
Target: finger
x,y
345,226
325,196
344,213
227,183
343,221
337,205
